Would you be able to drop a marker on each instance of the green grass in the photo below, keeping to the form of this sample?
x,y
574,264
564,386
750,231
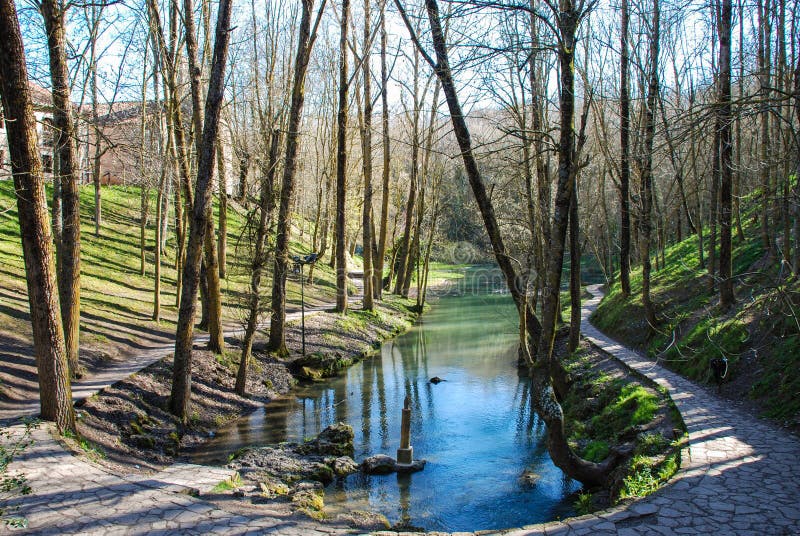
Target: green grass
x,y
632,406
231,483
763,327
112,287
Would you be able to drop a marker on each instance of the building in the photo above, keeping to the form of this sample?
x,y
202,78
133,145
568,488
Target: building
x,y
43,112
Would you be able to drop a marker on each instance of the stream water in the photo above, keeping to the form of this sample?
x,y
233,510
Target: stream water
x,y
476,429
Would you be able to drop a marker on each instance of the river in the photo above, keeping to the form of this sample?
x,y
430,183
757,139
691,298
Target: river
x,y
476,429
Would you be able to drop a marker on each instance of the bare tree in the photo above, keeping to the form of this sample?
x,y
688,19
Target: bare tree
x,y
624,160
305,43
55,395
69,281
646,165
341,165
724,23
198,225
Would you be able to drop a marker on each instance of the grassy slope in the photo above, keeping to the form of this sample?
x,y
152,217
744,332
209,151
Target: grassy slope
x,y
760,336
111,285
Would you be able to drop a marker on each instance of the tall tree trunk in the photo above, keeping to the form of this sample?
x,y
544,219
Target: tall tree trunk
x,y
404,253
144,194
307,35
725,155
645,222
625,166
442,69
211,298
574,272
366,159
796,193
96,10
737,185
341,165
55,395
714,208
57,218
764,36
198,226
381,256
266,206
222,222
216,338
69,282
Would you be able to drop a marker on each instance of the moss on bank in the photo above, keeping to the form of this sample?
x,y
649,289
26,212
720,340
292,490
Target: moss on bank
x,y
608,407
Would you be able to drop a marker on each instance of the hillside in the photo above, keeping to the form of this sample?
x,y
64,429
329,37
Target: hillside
x,y
116,300
760,336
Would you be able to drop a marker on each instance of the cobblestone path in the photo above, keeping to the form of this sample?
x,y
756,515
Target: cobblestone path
x,y
739,475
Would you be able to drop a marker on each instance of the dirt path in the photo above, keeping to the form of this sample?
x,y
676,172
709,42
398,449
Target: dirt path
x,y
23,381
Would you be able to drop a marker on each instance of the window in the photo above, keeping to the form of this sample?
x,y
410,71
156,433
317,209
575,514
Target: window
x,y
47,163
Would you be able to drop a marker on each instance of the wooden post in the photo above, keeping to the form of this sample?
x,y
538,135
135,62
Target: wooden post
x,y
405,454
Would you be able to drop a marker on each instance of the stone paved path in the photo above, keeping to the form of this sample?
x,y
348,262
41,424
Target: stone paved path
x,y
739,476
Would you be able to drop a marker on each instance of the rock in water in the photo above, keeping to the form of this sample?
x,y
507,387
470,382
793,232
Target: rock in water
x,y
344,465
413,467
380,464
437,379
335,440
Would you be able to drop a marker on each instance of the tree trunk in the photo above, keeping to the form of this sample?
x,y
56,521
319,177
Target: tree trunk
x,y
216,339
647,168
198,226
714,208
96,10
442,69
211,299
69,282
366,159
266,206
222,248
307,35
55,395
725,155
381,256
796,192
341,165
625,166
764,36
574,272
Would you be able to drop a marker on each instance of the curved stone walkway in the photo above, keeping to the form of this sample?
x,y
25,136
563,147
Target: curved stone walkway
x,y
739,475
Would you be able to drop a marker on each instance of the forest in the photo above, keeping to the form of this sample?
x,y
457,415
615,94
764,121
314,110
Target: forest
x,y
197,165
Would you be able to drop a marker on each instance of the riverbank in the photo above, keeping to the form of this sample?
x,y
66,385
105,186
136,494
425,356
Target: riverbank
x,y
127,429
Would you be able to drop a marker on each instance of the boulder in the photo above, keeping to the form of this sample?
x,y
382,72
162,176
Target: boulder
x,y
335,440
413,467
380,464
366,521
344,465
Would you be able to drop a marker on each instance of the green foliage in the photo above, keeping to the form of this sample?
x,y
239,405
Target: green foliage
x,y
231,483
596,450
763,327
779,384
584,505
13,485
90,449
647,473
634,405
